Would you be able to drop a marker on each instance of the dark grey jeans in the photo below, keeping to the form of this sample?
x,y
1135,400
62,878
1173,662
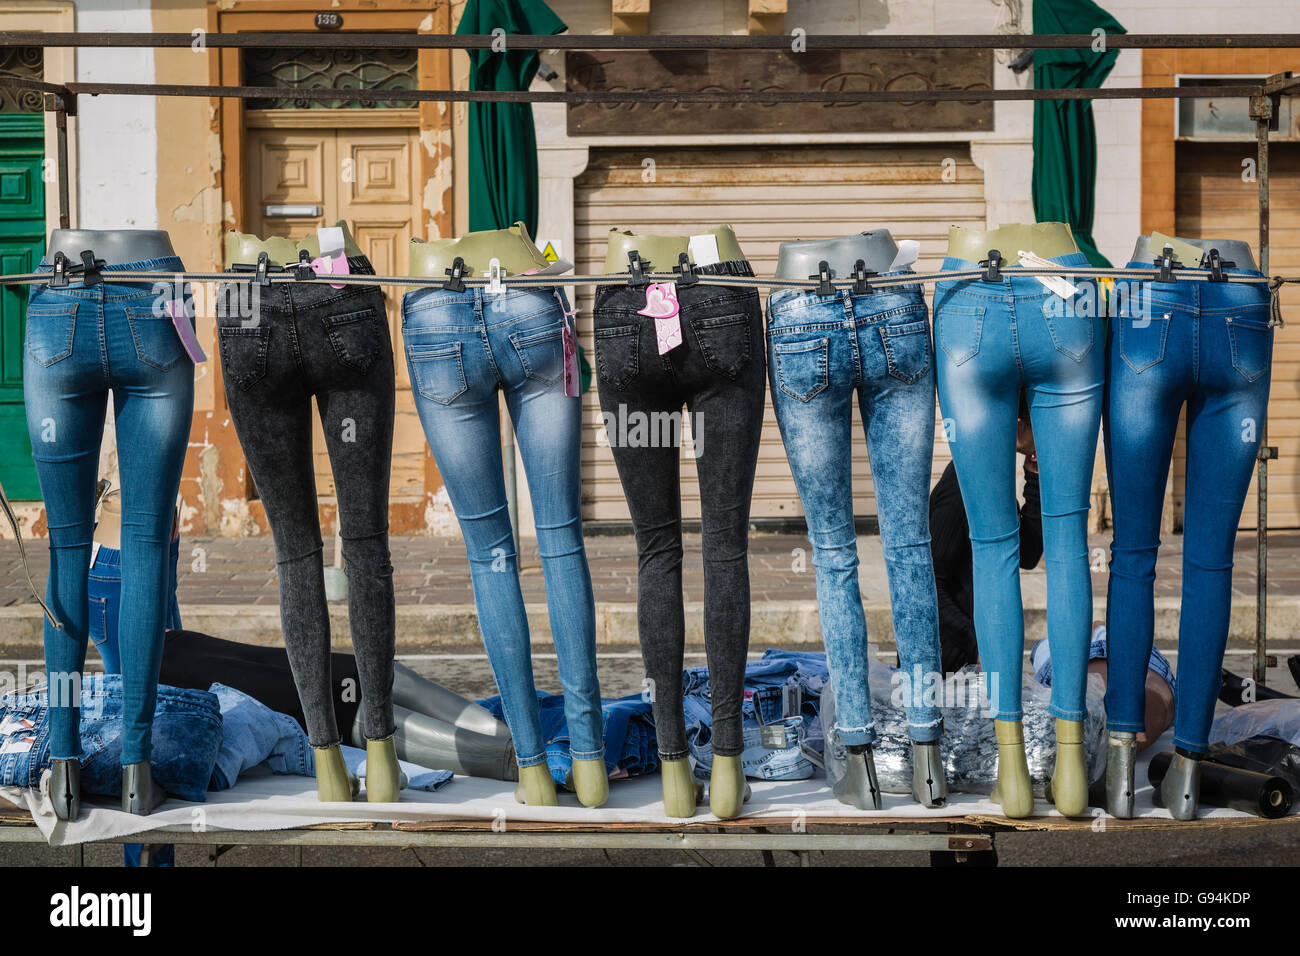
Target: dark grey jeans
x,y
288,344
719,373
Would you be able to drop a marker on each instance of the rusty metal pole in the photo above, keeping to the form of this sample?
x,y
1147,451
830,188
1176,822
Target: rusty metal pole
x,y
1262,111
59,106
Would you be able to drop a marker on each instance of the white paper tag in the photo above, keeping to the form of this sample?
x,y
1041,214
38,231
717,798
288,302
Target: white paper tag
x,y
1058,284
331,241
704,250
13,724
909,250
17,745
94,552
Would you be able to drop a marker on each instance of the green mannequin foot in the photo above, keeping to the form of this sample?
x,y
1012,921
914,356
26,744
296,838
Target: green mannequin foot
x,y
1069,786
383,775
728,789
1014,791
682,794
536,787
591,781
333,782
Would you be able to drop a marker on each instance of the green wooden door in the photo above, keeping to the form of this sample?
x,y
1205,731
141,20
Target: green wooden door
x,y
22,241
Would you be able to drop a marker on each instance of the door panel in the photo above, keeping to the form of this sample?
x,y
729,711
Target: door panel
x,y
22,242
366,177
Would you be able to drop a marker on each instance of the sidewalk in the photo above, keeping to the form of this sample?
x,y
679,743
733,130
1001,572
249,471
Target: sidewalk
x,y
227,587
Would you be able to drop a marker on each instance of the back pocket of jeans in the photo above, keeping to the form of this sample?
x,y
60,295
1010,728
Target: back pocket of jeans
x,y
50,331
1142,339
1252,346
541,353
437,371
802,368
157,343
356,337
243,353
907,350
959,328
1070,326
724,342
618,355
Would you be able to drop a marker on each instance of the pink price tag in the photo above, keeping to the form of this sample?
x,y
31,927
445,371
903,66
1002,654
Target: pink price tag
x,y
661,305
572,377
337,266
176,308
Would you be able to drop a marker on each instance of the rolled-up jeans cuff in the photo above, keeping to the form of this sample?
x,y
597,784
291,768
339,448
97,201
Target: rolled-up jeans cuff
x,y
522,762
674,755
1060,713
587,754
856,736
927,732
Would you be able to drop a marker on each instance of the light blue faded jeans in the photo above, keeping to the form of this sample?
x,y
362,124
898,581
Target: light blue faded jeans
x,y
994,339
461,348
825,352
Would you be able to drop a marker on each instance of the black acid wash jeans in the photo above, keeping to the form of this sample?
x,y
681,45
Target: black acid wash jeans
x,y
719,373
282,345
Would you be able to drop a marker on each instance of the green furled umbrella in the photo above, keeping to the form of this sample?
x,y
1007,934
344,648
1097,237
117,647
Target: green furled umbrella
x,y
502,140
1065,139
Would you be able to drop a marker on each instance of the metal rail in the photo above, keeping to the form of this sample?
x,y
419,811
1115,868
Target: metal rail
x,y
611,43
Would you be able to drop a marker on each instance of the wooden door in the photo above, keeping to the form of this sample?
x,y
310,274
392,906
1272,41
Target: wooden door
x,y
22,240
302,178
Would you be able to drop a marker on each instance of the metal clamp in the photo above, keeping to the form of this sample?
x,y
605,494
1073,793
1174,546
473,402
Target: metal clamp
x,y
685,271
992,266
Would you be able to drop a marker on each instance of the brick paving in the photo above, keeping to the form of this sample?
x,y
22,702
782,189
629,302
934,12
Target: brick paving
x,y
433,571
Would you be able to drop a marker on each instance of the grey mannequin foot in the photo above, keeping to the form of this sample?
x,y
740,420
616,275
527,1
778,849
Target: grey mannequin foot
x,y
859,787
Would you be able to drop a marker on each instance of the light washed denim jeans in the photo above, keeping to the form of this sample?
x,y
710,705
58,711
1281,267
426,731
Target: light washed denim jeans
x,y
461,348
992,340
825,351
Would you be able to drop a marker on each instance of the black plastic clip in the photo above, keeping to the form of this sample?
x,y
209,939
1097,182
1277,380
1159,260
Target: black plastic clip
x,y
992,266
824,286
59,280
88,271
861,278
1166,263
685,275
303,270
457,274
263,269
636,269
1212,261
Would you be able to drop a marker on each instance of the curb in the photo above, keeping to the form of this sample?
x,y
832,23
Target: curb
x,y
421,627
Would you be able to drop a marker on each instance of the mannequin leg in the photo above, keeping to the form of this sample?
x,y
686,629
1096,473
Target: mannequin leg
x,y
419,695
536,786
859,786
1014,791
548,425
334,784
384,781
1070,777
682,792
728,789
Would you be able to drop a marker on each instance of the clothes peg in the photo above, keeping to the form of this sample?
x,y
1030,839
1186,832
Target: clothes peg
x,y
636,269
1166,263
1212,261
824,286
494,286
992,266
59,280
686,275
861,275
303,270
457,274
